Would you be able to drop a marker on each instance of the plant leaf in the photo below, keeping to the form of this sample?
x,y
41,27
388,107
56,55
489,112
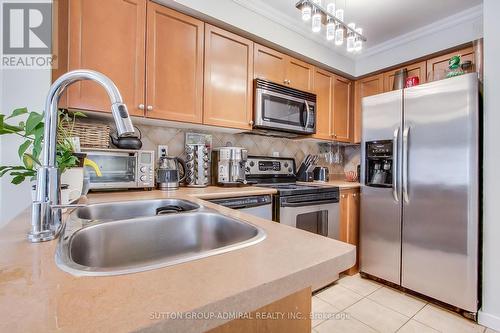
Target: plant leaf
x,y
79,114
18,112
33,122
18,180
22,148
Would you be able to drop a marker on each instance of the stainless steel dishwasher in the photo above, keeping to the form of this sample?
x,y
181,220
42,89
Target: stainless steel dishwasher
x,y
256,205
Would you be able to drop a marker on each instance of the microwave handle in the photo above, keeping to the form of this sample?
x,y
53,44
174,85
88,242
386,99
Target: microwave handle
x,y
308,114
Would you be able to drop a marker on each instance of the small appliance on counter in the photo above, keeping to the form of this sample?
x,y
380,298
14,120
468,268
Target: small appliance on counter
x,y
320,174
168,175
198,159
121,169
228,166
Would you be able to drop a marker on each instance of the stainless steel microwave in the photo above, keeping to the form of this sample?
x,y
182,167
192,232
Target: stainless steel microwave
x,y
281,108
121,168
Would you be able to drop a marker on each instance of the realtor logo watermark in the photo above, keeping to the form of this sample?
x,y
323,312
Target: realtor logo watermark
x,y
27,35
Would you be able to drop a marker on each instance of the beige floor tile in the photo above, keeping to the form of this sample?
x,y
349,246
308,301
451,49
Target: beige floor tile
x,y
357,284
321,311
339,296
446,321
414,326
347,325
397,301
377,316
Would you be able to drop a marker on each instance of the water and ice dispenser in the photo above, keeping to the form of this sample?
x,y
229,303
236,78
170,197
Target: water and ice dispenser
x,y
379,163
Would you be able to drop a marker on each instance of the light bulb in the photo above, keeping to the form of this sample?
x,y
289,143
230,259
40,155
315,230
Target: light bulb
x,y
358,44
330,8
306,12
350,38
316,21
318,2
330,29
339,35
339,14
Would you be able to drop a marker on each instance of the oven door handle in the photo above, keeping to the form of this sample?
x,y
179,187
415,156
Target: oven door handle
x,y
308,203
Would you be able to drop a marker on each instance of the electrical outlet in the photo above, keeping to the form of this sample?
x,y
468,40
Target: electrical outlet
x,y
162,150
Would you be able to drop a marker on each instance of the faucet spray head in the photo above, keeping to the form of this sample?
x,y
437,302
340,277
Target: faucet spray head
x,y
122,119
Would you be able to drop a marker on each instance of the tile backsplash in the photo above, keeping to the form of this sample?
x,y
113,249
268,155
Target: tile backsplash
x,y
152,136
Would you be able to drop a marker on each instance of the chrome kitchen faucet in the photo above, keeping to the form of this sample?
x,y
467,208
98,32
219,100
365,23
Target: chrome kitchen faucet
x,y
46,209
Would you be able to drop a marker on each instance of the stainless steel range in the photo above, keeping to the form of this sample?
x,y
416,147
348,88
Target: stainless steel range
x,y
311,208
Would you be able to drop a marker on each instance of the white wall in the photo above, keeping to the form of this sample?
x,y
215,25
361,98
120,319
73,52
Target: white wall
x,y
19,88
451,31
490,312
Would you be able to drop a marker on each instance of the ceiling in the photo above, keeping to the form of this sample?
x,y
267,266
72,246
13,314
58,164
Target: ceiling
x,y
383,20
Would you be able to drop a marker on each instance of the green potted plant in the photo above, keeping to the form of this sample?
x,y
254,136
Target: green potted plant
x,y
31,130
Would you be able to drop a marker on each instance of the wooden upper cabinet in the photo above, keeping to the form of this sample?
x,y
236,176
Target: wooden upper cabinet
x,y
269,64
109,37
280,68
228,79
342,109
299,74
367,86
418,69
174,71
440,64
323,88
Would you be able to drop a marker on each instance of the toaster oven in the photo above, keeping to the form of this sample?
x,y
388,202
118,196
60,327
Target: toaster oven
x,y
121,168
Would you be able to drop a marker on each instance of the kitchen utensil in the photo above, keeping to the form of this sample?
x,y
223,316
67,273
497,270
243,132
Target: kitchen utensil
x,y
399,79
168,175
351,176
320,174
412,81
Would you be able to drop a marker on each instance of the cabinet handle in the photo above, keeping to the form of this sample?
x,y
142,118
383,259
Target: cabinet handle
x,y
150,108
289,81
251,122
285,81
141,106
354,195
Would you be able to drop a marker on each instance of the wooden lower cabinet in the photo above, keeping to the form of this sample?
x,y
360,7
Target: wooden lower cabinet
x,y
349,221
296,303
417,69
367,86
228,88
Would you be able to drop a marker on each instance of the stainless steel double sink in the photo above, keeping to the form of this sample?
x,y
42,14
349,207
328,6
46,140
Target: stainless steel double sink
x,y
134,236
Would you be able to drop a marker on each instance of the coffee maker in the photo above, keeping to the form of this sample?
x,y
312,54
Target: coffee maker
x,y
379,163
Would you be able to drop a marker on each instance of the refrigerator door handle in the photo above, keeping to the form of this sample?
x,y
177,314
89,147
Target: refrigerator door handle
x,y
395,165
406,134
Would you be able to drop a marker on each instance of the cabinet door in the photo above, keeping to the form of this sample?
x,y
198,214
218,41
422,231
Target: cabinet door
x,y
341,109
269,64
417,69
349,222
323,88
174,84
440,64
299,74
108,37
368,86
228,79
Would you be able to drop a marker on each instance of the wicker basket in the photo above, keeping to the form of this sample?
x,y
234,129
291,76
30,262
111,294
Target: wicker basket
x,y
92,135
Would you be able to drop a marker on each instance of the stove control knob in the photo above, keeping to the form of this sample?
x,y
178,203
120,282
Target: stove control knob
x,y
252,163
247,169
286,165
290,170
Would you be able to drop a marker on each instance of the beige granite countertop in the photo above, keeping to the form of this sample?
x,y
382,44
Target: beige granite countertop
x,y
36,296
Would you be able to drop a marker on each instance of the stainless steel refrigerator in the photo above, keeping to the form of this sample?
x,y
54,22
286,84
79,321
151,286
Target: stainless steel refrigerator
x,y
420,189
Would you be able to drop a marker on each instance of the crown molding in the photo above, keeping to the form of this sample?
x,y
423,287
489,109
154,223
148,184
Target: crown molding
x,y
467,16
260,7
